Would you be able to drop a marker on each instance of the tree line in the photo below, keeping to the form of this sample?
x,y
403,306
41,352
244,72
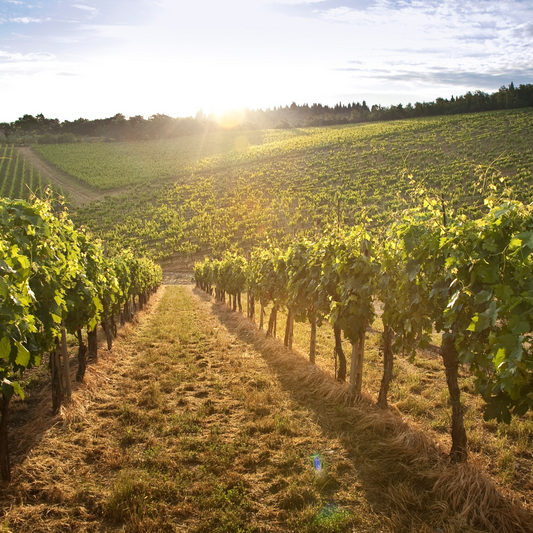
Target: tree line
x,y
30,129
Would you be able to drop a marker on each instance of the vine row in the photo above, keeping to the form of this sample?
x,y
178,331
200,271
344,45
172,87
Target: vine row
x,y
55,280
432,270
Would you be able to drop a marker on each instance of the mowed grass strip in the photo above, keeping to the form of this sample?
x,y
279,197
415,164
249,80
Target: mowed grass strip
x,y
189,432
203,425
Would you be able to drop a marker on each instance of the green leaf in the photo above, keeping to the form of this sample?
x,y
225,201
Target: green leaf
x,y
472,326
24,261
482,297
23,355
412,269
515,243
499,358
18,389
5,348
4,288
527,238
7,389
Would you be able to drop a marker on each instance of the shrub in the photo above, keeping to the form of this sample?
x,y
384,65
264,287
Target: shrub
x,y
66,138
46,138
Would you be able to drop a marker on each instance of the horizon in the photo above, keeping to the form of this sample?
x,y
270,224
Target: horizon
x,y
94,59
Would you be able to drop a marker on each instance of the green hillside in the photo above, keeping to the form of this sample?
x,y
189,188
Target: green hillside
x,y
200,194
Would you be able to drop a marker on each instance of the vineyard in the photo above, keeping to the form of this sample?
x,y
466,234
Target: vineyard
x,y
298,181
469,279
398,395
19,179
197,421
56,280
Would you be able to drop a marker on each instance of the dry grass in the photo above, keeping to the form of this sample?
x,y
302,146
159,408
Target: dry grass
x,y
196,422
419,394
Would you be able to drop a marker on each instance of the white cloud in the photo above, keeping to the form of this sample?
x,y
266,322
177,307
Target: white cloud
x,y
92,10
34,56
26,20
14,2
114,32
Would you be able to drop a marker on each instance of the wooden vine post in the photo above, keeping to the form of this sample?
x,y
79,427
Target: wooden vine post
x,y
57,389
388,362
82,357
252,307
312,347
5,466
66,363
289,329
262,315
358,347
356,368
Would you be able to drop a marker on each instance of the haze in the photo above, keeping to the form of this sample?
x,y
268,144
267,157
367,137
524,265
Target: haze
x,y
94,59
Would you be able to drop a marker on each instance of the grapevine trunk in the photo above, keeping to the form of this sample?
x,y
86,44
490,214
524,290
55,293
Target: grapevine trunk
x,y
92,343
458,452
341,376
5,467
82,359
388,361
57,390
312,347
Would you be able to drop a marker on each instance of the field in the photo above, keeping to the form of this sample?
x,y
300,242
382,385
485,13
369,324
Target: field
x,y
288,182
196,422
19,178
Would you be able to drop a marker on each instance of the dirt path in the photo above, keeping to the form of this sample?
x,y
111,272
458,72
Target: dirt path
x,y
78,193
197,422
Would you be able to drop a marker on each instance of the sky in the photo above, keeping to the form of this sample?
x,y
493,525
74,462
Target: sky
x,y
95,58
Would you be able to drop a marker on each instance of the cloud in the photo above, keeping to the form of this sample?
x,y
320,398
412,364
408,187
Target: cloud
x,y
14,2
27,20
92,10
33,56
295,2
316,8
67,74
112,32
525,30
489,79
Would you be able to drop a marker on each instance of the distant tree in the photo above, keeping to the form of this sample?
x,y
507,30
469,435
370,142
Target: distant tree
x,y
66,138
46,138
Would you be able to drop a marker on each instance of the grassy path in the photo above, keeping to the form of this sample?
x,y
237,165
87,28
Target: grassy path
x,y
196,422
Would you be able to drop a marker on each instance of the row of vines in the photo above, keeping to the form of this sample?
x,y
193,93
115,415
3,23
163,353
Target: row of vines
x,y
19,178
306,180
57,280
431,271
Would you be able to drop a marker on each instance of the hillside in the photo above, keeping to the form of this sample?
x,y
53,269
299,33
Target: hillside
x,y
191,196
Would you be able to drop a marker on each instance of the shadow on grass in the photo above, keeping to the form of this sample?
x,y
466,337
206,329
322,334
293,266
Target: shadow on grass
x,y
404,474
31,418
